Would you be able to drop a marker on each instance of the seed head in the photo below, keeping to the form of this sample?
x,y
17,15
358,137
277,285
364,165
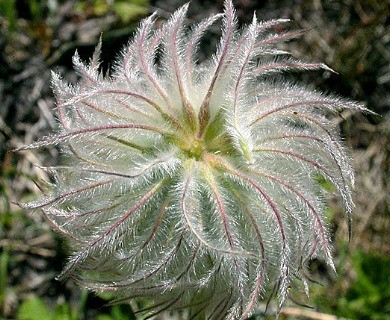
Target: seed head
x,y
195,184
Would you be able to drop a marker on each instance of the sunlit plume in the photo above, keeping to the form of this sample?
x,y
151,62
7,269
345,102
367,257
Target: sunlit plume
x,y
195,185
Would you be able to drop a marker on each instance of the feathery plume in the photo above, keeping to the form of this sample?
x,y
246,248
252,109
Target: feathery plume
x,y
195,184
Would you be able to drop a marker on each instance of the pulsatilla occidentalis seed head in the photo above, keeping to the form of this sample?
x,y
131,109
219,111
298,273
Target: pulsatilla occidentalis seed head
x,y
195,184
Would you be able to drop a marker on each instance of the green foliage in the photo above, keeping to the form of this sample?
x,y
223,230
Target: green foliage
x,y
34,308
37,9
130,10
126,10
8,11
369,295
118,312
4,258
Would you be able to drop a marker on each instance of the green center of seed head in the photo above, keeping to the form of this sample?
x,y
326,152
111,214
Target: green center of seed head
x,y
211,139
195,148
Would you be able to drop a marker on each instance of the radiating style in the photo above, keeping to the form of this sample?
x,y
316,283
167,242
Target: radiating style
x,y
195,184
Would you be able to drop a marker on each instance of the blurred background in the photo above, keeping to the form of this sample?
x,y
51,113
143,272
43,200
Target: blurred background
x,y
37,36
